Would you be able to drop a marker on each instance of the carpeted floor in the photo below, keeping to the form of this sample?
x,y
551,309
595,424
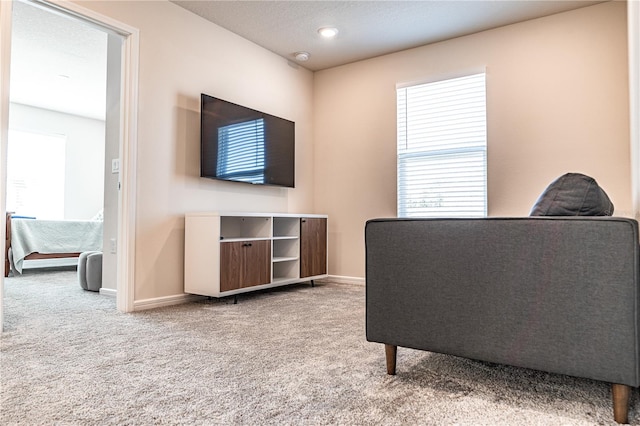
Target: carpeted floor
x,y
291,356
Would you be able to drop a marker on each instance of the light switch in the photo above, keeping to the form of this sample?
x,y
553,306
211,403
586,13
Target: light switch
x,y
115,165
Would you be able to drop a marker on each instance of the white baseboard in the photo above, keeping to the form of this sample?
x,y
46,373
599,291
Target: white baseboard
x,y
108,292
158,302
340,279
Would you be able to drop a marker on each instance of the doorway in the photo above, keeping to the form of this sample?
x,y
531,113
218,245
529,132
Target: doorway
x,y
120,123
57,143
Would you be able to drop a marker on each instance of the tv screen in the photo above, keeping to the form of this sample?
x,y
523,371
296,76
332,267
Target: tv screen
x,y
244,145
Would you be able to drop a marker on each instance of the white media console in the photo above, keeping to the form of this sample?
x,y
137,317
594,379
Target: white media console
x,y
232,253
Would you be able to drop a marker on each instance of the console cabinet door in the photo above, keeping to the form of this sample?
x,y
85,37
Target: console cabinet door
x,y
244,264
313,247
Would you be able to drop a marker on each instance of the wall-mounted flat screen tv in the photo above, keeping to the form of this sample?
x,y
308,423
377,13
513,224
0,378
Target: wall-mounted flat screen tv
x,y
244,145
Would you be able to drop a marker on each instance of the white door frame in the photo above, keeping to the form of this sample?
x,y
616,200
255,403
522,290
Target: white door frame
x,y
128,137
5,67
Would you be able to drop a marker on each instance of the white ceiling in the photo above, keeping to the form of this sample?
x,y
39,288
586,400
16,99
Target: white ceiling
x,y
57,62
367,28
60,63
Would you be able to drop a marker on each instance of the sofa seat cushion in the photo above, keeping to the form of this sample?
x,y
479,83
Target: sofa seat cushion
x,y
573,194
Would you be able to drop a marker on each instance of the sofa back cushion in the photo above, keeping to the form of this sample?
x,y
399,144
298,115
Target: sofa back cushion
x,y
573,194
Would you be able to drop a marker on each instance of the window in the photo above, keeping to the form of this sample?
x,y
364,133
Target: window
x,y
241,151
442,148
36,174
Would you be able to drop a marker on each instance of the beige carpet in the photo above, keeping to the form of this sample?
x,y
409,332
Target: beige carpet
x,y
292,356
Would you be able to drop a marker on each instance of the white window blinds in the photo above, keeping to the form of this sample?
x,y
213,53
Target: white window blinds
x,y
442,148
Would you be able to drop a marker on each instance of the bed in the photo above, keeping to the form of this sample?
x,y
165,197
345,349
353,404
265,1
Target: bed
x,y
32,239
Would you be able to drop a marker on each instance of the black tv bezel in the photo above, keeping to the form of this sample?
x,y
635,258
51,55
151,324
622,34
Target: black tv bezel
x,y
249,111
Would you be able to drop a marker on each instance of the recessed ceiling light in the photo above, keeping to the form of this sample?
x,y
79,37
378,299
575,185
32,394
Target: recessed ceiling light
x,y
328,32
302,56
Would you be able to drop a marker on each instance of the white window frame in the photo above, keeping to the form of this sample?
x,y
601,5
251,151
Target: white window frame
x,y
442,148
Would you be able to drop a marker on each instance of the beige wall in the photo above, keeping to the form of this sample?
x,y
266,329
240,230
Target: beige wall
x,y
182,55
557,101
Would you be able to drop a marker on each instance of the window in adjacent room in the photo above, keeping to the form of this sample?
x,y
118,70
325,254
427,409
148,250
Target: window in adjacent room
x,y
442,148
36,174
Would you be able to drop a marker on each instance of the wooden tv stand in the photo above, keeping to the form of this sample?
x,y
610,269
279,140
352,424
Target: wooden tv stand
x,y
232,253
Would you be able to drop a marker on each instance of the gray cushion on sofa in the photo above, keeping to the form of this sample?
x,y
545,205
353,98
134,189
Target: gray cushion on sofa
x,y
573,194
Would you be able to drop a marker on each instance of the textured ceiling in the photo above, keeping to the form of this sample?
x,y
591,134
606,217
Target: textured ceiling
x,y
367,28
59,63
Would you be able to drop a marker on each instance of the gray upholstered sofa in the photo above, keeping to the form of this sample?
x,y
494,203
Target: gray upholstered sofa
x,y
557,294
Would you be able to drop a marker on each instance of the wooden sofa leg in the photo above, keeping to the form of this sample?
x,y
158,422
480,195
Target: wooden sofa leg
x,y
390,352
620,395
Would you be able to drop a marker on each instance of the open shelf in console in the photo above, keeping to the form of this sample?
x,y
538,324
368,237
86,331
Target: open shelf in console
x,y
286,270
238,228
285,249
286,227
